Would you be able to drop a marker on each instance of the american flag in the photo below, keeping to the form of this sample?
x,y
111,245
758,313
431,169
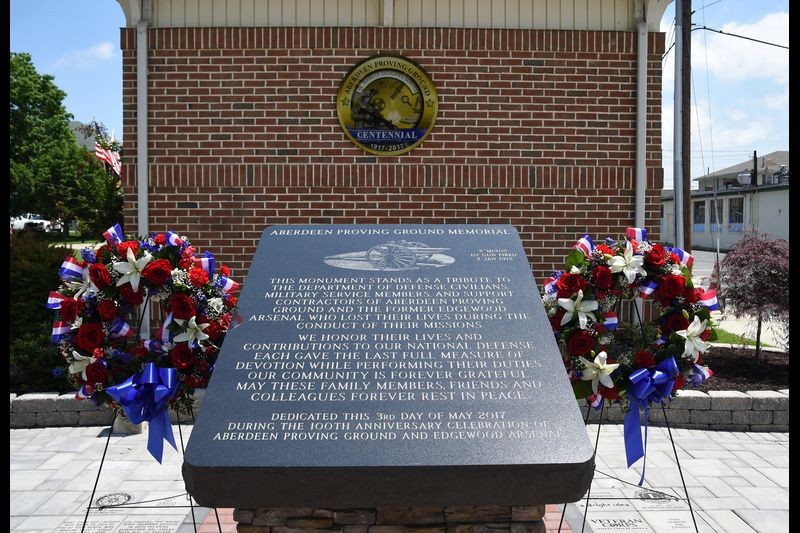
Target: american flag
x,y
108,156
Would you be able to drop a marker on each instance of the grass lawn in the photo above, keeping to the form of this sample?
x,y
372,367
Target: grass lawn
x,y
727,337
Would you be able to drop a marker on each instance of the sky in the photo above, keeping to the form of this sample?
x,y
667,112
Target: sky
x,y
740,88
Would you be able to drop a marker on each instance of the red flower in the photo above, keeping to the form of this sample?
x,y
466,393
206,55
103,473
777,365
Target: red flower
x,y
657,256
644,359
224,270
186,263
99,275
90,336
198,277
123,247
158,272
602,277
580,343
555,320
182,356
674,322
196,380
70,309
604,249
215,330
160,239
609,394
706,335
96,373
201,365
671,286
107,309
127,294
569,284
231,300
182,306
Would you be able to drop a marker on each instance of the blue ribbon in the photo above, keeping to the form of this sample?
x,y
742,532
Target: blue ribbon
x,y
143,397
649,385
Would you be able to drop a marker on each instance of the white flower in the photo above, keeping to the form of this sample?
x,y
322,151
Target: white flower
x,y
193,331
628,264
215,305
694,344
579,307
131,269
80,362
598,371
84,286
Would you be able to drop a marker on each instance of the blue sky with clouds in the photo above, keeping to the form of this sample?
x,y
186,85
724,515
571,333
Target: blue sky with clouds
x,y
740,100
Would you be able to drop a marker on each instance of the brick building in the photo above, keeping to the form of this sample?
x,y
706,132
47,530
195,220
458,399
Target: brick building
x,y
549,118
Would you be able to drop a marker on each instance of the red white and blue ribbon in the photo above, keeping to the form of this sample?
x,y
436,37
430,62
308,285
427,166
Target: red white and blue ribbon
x,y
550,283
60,330
596,401
144,397
226,284
709,299
585,244
647,287
685,257
166,334
84,392
174,239
610,320
153,345
698,374
636,234
649,385
54,300
120,329
114,234
206,262
70,268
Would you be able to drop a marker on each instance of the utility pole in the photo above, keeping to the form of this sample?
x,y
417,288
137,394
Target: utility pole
x,y
686,100
677,127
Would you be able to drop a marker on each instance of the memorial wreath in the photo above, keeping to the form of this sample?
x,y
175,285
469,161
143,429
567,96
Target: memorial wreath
x,y
101,302
635,364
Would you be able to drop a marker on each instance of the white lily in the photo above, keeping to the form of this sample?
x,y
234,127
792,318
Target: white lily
x,y
80,362
193,331
131,269
598,371
694,344
84,286
628,264
580,307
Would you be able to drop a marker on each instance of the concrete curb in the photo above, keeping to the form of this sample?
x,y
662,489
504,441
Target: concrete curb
x,y
690,409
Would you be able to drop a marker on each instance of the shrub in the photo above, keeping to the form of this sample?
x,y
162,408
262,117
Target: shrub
x,y
755,281
35,361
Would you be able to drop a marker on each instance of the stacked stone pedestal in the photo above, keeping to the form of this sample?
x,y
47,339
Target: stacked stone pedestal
x,y
457,519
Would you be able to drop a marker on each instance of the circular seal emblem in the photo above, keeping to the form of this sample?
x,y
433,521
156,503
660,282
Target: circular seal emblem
x,y
387,104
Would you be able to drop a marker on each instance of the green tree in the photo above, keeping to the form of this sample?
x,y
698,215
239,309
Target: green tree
x,y
51,173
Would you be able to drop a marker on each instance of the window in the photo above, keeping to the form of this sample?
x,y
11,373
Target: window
x,y
716,221
736,214
699,216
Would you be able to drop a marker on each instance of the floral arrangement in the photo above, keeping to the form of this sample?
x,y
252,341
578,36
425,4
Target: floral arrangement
x,y
100,303
632,364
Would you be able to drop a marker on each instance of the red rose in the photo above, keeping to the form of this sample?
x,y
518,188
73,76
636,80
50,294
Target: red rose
x,y
123,247
674,322
107,309
196,380
706,335
70,309
225,271
231,300
671,286
214,330
580,343
674,259
158,272
182,306
127,294
188,252
693,295
90,336
198,277
182,356
644,359
201,365
555,320
569,284
96,373
99,275
186,263
657,256
609,394
160,239
602,277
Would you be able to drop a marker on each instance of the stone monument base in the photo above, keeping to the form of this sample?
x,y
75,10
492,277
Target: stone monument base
x,y
482,519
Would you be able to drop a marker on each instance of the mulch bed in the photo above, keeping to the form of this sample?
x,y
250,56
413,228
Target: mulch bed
x,y
736,369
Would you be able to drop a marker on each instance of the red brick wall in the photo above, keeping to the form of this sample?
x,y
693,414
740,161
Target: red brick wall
x,y
536,128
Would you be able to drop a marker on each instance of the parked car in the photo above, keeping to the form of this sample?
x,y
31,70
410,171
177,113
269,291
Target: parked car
x,y
34,222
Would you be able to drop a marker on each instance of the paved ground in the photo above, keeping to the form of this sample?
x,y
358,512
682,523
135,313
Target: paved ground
x,y
737,482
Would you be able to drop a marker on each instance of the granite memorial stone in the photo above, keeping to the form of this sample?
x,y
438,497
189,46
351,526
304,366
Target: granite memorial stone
x,y
389,365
